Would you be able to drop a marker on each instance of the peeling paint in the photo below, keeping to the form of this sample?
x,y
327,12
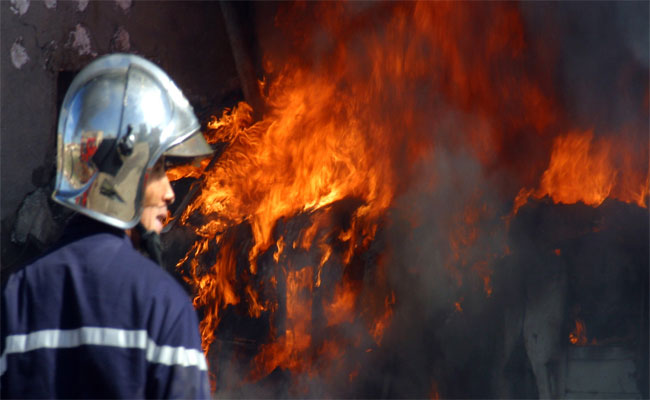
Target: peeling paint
x,y
82,4
80,40
124,4
19,7
121,40
19,55
50,4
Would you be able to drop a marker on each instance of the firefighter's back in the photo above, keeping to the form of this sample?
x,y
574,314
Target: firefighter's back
x,y
93,318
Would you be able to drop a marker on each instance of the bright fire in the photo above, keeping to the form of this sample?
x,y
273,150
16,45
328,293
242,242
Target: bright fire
x,y
287,222
582,169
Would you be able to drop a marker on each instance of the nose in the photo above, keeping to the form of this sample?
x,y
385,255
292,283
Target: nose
x,y
168,195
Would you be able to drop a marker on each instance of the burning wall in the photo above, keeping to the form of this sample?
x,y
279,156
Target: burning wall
x,y
355,241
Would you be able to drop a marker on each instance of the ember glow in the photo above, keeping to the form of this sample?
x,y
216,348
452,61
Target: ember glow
x,y
390,129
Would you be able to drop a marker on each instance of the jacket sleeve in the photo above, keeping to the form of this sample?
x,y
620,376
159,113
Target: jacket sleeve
x,y
176,365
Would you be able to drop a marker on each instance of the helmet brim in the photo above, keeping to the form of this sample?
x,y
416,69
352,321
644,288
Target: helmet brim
x,y
194,146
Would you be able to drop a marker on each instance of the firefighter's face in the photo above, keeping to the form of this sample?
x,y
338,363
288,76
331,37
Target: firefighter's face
x,y
158,194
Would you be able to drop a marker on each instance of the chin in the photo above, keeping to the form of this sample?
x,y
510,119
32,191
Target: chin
x,y
152,224
156,227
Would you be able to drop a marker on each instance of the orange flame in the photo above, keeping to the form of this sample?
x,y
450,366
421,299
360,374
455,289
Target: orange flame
x,y
579,170
334,133
583,169
578,336
285,352
353,121
378,329
435,393
342,308
215,291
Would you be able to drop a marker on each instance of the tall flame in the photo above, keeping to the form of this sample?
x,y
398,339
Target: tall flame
x,y
288,219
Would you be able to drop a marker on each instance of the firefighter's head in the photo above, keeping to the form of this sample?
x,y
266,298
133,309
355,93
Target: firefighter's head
x,y
121,115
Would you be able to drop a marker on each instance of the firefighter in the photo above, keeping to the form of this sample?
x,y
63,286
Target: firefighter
x,y
93,317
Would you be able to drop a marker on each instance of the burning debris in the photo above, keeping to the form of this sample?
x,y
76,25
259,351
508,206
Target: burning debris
x,y
414,206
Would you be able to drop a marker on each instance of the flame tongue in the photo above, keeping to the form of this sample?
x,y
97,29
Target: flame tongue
x,y
579,171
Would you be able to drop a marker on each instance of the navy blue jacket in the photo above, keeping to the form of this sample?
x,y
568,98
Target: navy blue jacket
x,y
95,319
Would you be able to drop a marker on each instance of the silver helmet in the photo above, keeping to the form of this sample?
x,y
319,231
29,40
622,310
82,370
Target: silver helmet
x,y
119,116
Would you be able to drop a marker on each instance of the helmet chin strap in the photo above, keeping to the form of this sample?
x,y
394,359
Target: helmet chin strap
x,y
149,243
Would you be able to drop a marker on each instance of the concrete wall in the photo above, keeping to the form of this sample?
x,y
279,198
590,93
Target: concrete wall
x,y
44,42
